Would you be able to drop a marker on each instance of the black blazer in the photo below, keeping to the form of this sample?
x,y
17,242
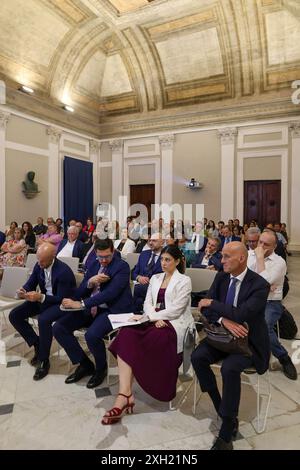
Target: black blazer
x,y
250,308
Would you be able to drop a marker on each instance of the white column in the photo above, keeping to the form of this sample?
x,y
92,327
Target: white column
x,y
294,243
4,118
54,182
117,177
95,159
228,136
166,145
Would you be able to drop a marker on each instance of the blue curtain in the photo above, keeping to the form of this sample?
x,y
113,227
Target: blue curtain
x,y
78,190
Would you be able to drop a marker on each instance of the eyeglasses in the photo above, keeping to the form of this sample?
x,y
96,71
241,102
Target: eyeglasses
x,y
103,258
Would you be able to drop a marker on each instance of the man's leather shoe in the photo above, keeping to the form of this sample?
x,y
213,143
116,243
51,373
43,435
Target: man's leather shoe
x,y
288,367
35,360
80,372
42,370
97,378
220,444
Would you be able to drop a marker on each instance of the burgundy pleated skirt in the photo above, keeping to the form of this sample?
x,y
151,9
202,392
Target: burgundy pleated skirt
x,y
152,354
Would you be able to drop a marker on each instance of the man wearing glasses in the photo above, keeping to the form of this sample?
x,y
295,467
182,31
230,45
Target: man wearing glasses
x,y
105,289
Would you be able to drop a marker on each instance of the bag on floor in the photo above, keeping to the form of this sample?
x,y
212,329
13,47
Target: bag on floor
x,y
287,325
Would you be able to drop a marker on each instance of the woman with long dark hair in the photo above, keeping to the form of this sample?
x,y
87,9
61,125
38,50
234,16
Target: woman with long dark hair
x,y
151,352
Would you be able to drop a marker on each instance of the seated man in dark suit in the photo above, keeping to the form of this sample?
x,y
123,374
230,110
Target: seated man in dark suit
x,y
147,265
227,236
237,295
105,289
56,281
71,246
211,257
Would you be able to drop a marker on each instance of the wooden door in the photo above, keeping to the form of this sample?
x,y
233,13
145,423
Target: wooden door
x,y
262,201
143,194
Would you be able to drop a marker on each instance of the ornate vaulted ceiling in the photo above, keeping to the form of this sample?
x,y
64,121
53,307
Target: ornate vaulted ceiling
x,y
133,65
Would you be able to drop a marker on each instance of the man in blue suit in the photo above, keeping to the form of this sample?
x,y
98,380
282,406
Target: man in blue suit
x,y
237,295
56,281
147,265
228,236
105,289
210,258
71,246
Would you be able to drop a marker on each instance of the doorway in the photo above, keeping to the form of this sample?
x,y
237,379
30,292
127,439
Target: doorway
x,y
143,194
262,201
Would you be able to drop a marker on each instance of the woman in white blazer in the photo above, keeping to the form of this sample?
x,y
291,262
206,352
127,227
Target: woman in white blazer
x,y
125,245
152,351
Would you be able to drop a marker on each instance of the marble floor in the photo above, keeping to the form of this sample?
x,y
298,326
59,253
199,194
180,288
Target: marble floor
x,y
52,415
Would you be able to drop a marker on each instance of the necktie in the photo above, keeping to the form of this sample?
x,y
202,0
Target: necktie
x,y
227,240
231,291
97,289
151,263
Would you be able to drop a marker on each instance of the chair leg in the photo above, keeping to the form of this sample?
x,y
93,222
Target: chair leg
x,y
184,393
262,418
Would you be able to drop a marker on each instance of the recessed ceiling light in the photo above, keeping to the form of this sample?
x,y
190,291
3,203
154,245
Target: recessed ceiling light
x,y
68,108
26,89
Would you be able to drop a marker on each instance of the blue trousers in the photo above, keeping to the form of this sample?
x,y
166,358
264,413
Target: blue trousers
x,y
232,366
97,328
139,295
18,317
273,312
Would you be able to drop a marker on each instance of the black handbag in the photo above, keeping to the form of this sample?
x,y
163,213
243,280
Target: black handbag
x,y
220,338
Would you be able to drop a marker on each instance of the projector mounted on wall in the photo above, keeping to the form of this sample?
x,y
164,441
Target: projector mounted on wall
x,y
194,184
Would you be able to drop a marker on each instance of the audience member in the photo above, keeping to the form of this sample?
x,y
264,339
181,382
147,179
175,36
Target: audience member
x,y
13,252
124,245
147,265
71,246
55,281
9,233
51,236
29,235
210,258
82,236
40,228
105,289
152,352
272,267
237,295
227,236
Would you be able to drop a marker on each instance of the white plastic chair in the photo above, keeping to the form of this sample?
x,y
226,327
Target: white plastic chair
x,y
13,279
260,421
71,261
31,261
201,279
132,259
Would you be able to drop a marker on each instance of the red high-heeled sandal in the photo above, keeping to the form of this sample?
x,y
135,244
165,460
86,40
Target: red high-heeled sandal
x,y
115,414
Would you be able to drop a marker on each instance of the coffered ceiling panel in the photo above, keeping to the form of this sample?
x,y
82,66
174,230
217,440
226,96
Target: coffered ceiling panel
x,y
136,65
33,36
283,37
184,56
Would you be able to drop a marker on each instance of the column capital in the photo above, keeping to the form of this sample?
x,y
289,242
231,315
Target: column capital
x,y
116,145
4,118
54,134
294,128
166,141
227,135
94,146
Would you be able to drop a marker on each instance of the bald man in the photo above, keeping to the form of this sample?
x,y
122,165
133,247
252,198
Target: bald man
x,y
56,281
237,295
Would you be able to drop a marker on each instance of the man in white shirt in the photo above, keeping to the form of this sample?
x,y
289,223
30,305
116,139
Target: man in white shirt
x,y
264,261
71,246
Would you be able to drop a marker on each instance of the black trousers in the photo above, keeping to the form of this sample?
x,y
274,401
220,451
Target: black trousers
x,y
232,366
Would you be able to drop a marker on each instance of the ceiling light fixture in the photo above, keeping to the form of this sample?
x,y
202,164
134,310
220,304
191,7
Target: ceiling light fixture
x,y
26,89
68,108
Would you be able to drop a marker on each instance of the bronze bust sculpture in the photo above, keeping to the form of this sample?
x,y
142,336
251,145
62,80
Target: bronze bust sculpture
x,y
30,188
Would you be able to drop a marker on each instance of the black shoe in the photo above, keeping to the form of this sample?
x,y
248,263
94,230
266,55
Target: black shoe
x,y
288,368
42,370
34,361
220,444
97,378
80,372
235,428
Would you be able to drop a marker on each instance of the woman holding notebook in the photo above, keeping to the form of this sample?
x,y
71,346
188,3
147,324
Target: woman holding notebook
x,y
151,352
